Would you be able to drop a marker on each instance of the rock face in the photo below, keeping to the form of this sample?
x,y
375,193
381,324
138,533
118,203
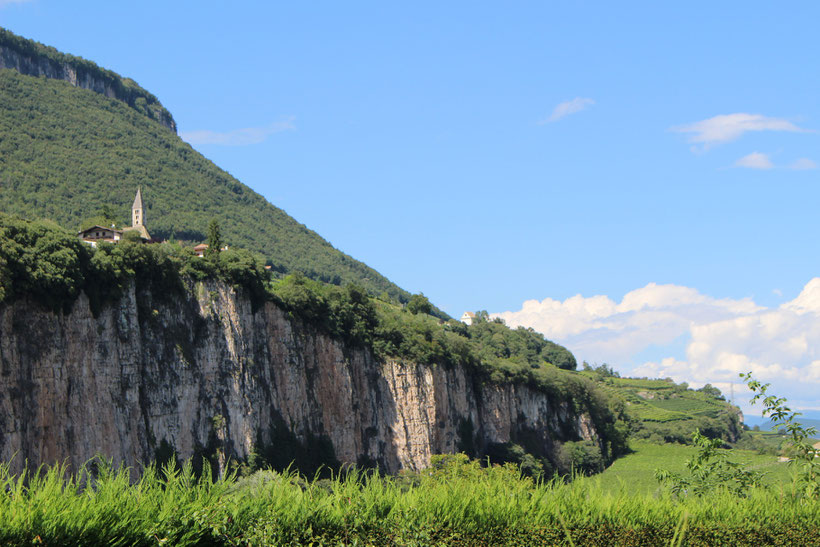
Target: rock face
x,y
206,374
22,55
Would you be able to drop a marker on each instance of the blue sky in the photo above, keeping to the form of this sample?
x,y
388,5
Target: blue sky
x,y
490,155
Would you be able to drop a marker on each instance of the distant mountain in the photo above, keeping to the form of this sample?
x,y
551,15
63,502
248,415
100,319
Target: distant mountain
x,y
766,423
77,140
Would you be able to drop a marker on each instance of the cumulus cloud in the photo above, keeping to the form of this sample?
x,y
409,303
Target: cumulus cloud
x,y
755,160
568,107
728,127
237,137
599,329
803,164
723,337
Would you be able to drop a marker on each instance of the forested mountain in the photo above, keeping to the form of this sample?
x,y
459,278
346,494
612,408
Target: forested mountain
x,y
69,153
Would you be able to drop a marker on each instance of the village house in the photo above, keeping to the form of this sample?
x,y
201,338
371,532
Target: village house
x,y
468,317
98,233
202,248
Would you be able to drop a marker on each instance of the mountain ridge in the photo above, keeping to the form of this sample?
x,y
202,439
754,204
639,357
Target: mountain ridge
x,y
68,153
35,59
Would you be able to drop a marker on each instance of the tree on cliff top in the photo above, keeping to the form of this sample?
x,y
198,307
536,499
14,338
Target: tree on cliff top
x,y
214,239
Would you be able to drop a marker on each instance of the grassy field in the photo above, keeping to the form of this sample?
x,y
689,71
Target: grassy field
x,y
635,473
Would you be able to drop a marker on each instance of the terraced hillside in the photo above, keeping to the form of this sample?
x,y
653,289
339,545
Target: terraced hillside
x,y
663,411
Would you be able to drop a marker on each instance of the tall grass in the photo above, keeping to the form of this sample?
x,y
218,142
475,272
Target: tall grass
x,y
454,503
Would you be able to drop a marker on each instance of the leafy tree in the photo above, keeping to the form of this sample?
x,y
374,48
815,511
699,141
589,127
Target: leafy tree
x,y
419,304
42,260
530,465
601,371
104,217
582,457
803,456
709,389
131,236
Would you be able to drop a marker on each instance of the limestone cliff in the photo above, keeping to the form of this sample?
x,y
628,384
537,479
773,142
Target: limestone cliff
x,y
34,59
206,374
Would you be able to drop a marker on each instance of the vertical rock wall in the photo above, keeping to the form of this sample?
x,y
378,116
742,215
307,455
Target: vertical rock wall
x,y
206,373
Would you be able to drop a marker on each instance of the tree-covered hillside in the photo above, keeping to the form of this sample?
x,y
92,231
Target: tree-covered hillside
x,y
67,153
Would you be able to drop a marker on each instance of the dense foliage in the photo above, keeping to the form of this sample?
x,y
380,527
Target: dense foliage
x,y
125,89
803,455
41,261
69,155
456,502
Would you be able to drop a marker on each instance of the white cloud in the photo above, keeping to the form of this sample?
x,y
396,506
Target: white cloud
x,y
237,137
568,107
728,127
601,330
723,337
803,164
755,160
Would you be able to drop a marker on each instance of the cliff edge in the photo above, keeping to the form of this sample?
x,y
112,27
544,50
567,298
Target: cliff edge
x,y
34,59
206,374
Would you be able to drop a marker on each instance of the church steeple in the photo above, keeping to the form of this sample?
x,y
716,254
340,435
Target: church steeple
x,y
137,212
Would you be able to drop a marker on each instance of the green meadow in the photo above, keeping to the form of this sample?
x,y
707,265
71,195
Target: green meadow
x,y
635,472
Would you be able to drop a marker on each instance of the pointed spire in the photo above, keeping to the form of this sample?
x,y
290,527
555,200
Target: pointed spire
x,y
138,199
137,212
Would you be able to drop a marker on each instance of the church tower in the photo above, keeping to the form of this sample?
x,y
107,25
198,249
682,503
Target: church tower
x,y
137,212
